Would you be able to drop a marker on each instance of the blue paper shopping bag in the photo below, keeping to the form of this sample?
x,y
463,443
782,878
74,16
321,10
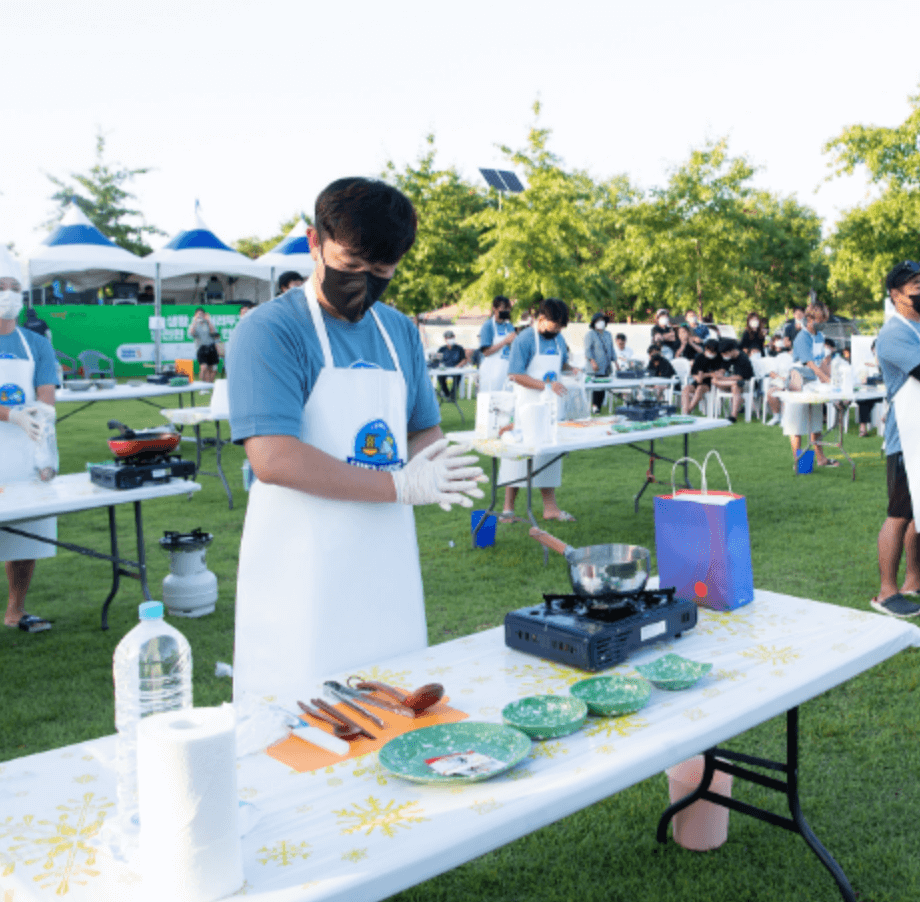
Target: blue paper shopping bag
x,y
703,545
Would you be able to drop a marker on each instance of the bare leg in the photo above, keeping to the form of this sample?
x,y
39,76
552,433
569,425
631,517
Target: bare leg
x,y
736,399
773,403
820,456
550,508
510,496
890,543
19,576
912,558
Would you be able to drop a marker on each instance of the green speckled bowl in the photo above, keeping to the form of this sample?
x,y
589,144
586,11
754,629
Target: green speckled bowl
x,y
673,672
405,755
546,716
611,696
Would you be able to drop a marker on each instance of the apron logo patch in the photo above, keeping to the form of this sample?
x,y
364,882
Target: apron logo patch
x,y
375,448
11,394
550,377
363,365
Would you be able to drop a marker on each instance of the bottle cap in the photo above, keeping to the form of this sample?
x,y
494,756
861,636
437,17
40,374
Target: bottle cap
x,y
150,610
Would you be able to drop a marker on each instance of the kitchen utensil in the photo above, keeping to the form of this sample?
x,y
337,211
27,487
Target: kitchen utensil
x,y
368,699
546,716
338,727
600,569
333,712
612,696
417,701
406,756
347,701
673,672
142,443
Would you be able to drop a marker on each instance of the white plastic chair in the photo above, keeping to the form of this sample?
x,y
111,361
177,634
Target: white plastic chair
x,y
682,368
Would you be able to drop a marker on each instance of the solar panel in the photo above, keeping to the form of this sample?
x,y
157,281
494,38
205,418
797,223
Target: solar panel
x,y
493,180
512,182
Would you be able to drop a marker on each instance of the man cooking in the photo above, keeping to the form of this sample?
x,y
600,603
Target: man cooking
x,y
495,340
329,392
27,379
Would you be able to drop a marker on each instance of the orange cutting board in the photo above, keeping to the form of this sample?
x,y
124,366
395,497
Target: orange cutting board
x,y
303,756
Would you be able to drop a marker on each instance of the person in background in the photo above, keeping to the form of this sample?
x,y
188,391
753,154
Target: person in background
x,y
793,326
780,366
213,291
738,370
600,356
706,366
752,338
538,358
810,364
205,335
27,379
146,296
689,345
288,280
830,348
625,354
664,334
451,355
37,325
659,367
898,351
330,395
495,340
245,307
865,408
697,329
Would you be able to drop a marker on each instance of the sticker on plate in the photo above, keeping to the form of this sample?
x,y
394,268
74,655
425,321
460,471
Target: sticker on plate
x,y
464,764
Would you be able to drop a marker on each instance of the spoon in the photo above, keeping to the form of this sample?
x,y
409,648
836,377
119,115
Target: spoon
x,y
419,700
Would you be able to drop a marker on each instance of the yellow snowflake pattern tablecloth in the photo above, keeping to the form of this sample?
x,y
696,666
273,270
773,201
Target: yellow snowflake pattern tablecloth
x,y
352,831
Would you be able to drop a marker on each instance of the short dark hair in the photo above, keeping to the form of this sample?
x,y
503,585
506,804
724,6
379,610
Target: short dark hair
x,y
727,345
620,336
830,343
246,304
371,218
285,279
712,344
600,315
554,310
653,349
498,300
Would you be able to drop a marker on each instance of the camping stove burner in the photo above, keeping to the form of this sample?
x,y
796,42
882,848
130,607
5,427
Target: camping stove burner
x,y
132,472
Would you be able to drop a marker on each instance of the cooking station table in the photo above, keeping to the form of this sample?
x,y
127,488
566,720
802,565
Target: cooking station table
x,y
355,833
126,393
74,493
841,401
459,374
584,438
194,417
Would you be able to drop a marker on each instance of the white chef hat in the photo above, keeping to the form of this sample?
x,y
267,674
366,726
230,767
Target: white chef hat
x,y
9,266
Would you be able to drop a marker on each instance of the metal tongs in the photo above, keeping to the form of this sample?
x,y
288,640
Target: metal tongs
x,y
366,698
348,728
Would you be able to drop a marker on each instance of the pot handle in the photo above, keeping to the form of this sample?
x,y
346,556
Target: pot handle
x,y
549,541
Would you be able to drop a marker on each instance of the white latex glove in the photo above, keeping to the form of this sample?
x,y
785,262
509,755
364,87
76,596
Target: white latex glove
x,y
29,420
439,475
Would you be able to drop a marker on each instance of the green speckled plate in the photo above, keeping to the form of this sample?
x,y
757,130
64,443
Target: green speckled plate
x,y
405,755
683,419
673,672
611,696
546,716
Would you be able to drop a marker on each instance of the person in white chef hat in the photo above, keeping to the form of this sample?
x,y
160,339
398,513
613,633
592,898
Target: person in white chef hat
x,y
27,381
330,394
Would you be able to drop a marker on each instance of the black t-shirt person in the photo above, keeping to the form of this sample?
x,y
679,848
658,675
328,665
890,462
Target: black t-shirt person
x,y
703,367
739,366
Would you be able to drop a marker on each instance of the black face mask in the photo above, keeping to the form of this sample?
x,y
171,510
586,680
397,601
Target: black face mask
x,y
915,300
352,293
503,315
549,336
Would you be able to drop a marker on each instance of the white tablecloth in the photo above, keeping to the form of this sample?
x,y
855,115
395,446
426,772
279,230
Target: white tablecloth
x,y
127,392
353,832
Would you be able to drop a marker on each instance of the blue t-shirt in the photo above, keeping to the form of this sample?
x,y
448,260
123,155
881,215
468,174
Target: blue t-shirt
x,y
42,355
524,349
808,348
898,350
490,330
275,360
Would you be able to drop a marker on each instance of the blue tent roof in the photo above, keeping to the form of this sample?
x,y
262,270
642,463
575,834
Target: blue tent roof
x,y
293,244
197,238
77,233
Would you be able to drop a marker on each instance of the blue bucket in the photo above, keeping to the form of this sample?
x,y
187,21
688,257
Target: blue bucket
x,y
805,462
485,538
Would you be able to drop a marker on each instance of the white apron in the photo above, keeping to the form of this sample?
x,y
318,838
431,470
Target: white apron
x,y
515,471
906,404
17,458
493,370
326,586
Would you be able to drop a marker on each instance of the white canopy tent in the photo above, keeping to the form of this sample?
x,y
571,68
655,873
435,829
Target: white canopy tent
x,y
293,253
195,253
9,265
79,253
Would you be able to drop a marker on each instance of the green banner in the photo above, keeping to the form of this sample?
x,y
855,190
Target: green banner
x,y
123,332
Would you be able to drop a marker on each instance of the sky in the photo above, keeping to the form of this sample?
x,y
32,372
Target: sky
x,y
253,107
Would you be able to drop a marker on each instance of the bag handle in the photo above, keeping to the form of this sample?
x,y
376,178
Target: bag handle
x,y
722,465
704,485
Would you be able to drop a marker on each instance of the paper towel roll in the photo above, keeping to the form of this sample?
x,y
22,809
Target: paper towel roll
x,y
189,835
534,421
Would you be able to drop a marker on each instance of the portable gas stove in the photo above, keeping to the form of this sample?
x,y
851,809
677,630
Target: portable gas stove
x,y
132,472
594,633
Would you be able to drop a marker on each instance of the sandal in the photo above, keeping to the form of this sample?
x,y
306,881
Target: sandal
x,y
30,623
896,606
506,517
828,463
563,517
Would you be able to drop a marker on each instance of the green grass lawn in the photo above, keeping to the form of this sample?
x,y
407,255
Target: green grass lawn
x,y
811,536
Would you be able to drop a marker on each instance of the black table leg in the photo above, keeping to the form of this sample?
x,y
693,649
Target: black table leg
x,y
218,444
116,568
719,760
491,502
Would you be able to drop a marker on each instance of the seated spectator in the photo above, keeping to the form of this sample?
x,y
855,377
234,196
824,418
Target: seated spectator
x,y
659,367
664,334
625,354
705,367
752,338
288,280
697,329
451,355
688,344
35,324
780,365
600,356
792,327
738,370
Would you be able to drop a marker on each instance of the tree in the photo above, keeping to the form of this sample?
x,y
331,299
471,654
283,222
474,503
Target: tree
x,y
869,239
100,194
440,265
253,246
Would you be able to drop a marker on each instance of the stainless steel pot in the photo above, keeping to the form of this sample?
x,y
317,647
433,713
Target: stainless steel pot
x,y
601,569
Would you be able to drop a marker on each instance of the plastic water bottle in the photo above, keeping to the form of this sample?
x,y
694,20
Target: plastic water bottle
x,y
152,669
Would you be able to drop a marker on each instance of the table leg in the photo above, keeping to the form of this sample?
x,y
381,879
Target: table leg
x,y
649,475
116,568
719,760
842,409
491,502
220,470
141,551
